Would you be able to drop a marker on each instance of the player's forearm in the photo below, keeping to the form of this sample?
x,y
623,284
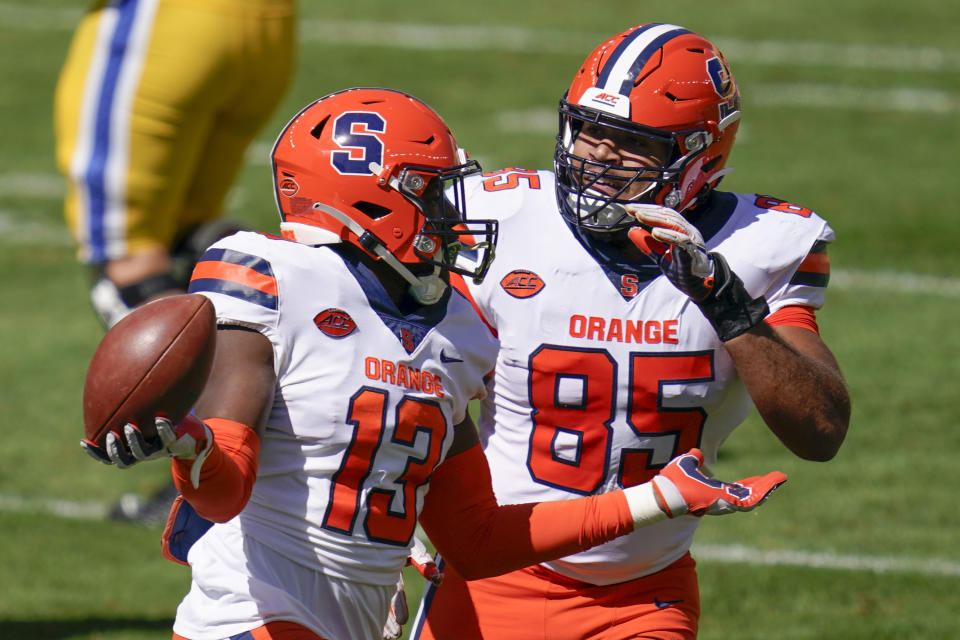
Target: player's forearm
x,y
481,538
516,536
226,477
797,388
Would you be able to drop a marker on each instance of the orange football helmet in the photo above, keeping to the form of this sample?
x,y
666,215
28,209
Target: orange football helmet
x,y
380,169
656,81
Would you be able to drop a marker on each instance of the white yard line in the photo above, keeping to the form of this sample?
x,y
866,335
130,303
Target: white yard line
x,y
872,100
908,100
895,281
740,554
730,554
32,185
16,15
527,40
18,228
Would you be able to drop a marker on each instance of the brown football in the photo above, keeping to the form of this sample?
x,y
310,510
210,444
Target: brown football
x,y
154,362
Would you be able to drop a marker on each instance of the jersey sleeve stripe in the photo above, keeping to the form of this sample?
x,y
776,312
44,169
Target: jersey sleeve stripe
x,y
815,263
236,274
232,256
810,279
814,271
234,290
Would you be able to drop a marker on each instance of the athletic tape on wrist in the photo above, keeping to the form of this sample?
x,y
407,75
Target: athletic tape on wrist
x,y
644,508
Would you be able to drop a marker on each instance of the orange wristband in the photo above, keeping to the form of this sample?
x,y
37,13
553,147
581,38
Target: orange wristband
x,y
228,473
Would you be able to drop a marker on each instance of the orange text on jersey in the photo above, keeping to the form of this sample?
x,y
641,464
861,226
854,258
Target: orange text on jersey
x,y
403,376
617,330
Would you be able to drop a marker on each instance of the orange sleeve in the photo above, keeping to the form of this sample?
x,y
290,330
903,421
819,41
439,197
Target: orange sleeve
x,y
794,316
481,538
228,473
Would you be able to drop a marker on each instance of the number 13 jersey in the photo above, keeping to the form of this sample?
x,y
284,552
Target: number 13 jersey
x,y
606,371
366,399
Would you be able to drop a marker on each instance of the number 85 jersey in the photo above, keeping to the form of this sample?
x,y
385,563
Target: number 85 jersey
x,y
606,371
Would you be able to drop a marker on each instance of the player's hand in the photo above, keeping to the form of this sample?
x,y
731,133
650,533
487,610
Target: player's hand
x,y
424,563
679,250
676,246
681,487
190,439
399,613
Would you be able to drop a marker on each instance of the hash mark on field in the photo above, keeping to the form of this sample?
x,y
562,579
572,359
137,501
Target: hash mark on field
x,y
87,510
15,231
32,185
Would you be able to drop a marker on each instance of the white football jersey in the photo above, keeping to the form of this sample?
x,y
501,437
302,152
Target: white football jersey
x,y
600,380
365,404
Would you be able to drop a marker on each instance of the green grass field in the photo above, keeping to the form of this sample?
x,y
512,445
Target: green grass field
x,y
851,108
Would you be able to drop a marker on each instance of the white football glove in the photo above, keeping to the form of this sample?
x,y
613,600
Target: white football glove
x,y
191,439
399,613
676,246
705,277
683,488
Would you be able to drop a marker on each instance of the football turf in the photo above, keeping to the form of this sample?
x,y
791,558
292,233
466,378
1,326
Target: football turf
x,y
850,108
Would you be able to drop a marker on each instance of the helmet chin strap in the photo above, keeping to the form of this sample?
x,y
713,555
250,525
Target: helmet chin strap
x,y
605,213
426,289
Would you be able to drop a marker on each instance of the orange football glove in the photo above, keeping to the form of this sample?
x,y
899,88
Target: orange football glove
x,y
681,488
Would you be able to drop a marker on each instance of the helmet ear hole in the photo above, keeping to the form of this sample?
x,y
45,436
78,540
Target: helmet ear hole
x,y
318,129
710,164
371,210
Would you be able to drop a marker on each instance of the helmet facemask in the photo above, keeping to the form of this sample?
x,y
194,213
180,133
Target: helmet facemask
x,y
592,193
653,83
447,239
443,234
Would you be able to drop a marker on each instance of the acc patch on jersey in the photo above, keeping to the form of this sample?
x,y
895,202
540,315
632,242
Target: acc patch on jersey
x,y
336,323
521,283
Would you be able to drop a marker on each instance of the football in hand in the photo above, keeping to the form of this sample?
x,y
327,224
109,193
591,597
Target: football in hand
x,y
154,362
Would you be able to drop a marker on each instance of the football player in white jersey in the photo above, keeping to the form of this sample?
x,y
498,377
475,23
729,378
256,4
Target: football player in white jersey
x,y
640,313
344,365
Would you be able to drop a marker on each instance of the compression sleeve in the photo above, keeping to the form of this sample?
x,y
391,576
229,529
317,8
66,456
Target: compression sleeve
x,y
227,475
795,315
481,538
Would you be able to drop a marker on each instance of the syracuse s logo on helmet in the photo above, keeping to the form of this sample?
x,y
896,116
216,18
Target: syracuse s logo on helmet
x,y
336,323
521,283
719,76
356,134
